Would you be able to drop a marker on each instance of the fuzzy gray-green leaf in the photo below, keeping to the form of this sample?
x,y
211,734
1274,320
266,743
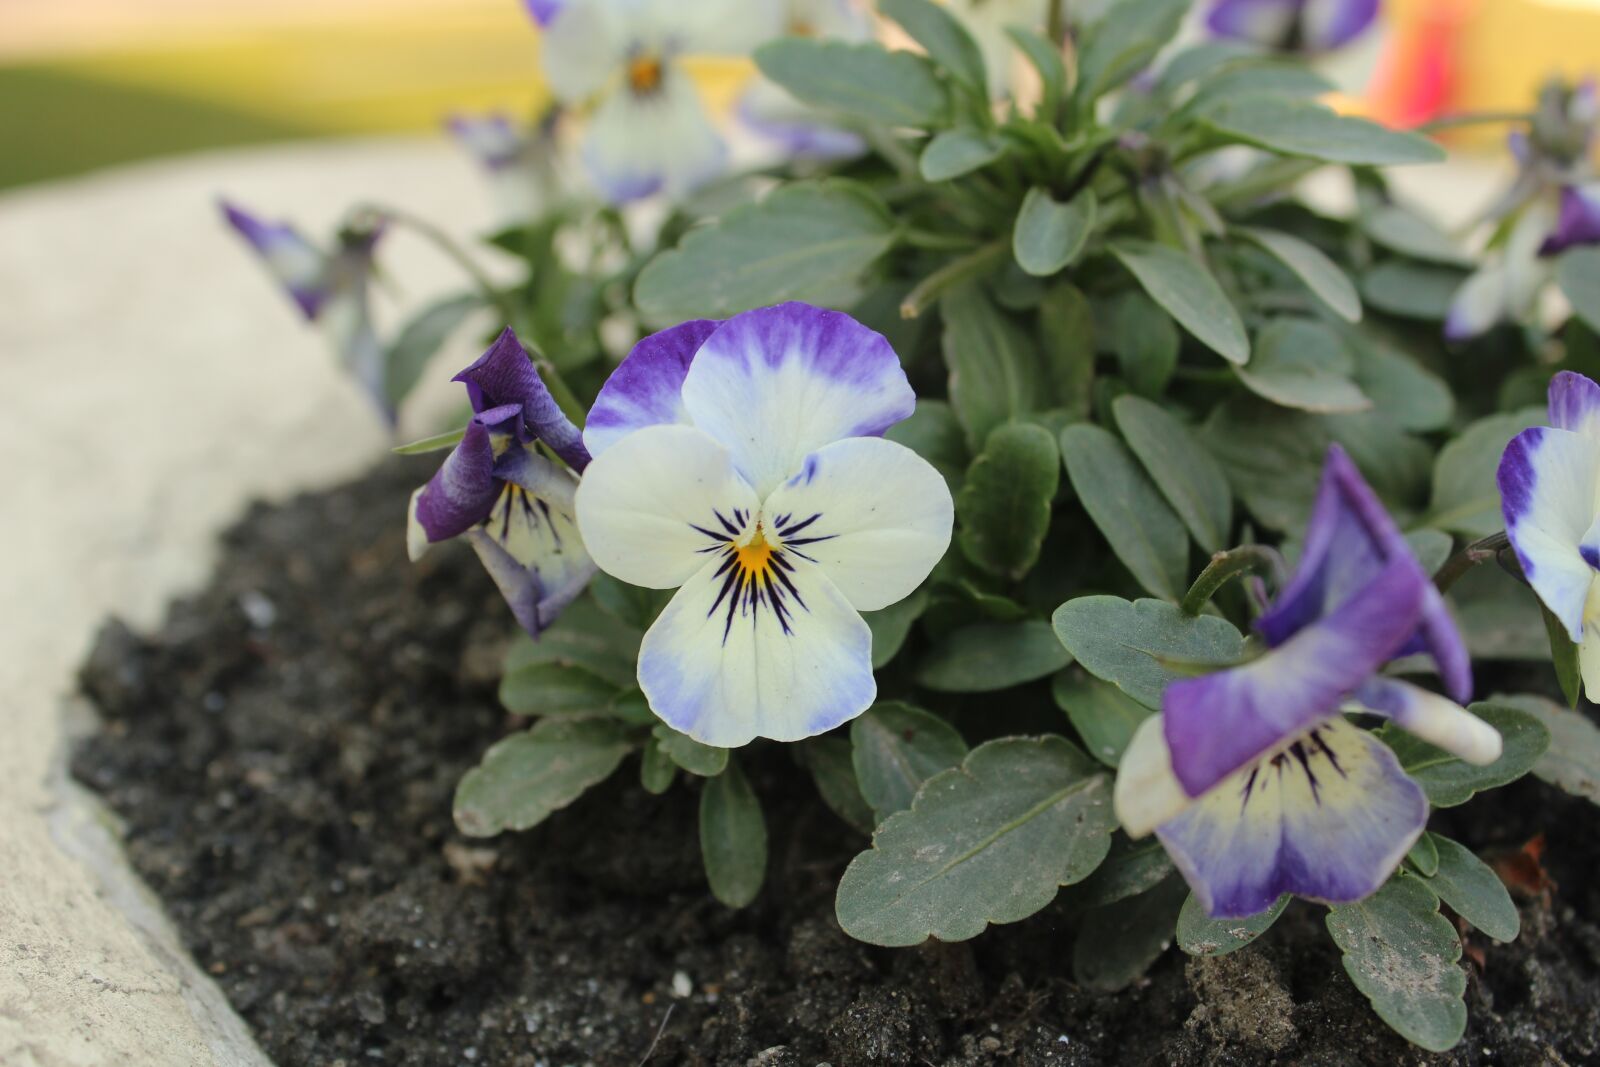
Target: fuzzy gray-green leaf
x,y
864,80
706,761
527,776
1136,520
1308,263
733,837
1201,935
1178,282
1449,780
895,748
1137,646
1104,716
988,656
1004,503
1182,468
1048,234
1472,890
1300,127
994,368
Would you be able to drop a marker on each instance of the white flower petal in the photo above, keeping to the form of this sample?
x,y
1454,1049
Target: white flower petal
x,y
740,654
1548,480
1147,793
650,505
640,143
872,513
582,49
1436,719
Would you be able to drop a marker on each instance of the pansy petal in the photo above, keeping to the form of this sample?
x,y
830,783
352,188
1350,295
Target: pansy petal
x,y
1575,404
544,12
1547,483
661,501
1589,648
506,375
660,140
1478,305
775,116
1147,793
581,48
1350,538
491,139
297,264
1218,723
1329,819
646,388
1329,24
1433,718
739,654
1578,221
459,495
1266,22
778,383
873,514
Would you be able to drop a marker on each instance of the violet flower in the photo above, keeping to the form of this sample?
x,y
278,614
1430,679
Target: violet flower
x,y
511,503
1251,777
329,288
1293,25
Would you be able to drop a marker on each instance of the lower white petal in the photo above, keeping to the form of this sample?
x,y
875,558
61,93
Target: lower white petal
x,y
661,140
872,513
1548,480
740,653
580,49
651,506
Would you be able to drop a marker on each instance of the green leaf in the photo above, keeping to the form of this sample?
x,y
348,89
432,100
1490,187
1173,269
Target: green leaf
x,y
1411,290
1563,656
987,842
1046,59
1135,518
1185,472
891,625
934,433
1066,322
829,760
1272,456
1256,80
1499,616
437,443
1104,716
633,606
1190,294
1448,780
1401,953
1578,274
551,689
895,748
1299,127
423,335
807,241
1401,389
863,80
1144,340
706,761
987,656
1004,504
1048,234
1424,856
1466,497
953,153
1136,645
1299,363
1431,547
945,39
656,769
1118,943
1124,42
585,637
1402,230
733,837
1130,868
1201,935
1472,890
527,776
994,370
1572,762
1306,261
1204,59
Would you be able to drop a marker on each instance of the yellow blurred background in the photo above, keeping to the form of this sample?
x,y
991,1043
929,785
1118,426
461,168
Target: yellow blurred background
x,y
86,83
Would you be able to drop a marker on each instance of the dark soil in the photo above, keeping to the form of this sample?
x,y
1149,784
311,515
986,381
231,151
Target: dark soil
x,y
284,750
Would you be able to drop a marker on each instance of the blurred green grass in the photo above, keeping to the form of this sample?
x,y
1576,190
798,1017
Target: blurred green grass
x,y
56,123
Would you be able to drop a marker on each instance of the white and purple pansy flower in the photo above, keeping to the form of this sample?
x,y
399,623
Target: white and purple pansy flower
x,y
1293,25
741,462
508,500
775,116
330,289
1550,494
1252,778
648,129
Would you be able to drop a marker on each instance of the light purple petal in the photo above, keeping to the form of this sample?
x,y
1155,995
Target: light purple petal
x,y
1579,220
463,490
798,135
776,384
505,374
1266,22
1218,723
534,602
1547,480
543,11
1330,818
491,138
297,264
1350,539
646,388
1575,404
1330,24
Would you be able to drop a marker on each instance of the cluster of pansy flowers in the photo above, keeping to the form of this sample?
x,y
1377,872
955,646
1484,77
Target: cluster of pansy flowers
x,y
1553,205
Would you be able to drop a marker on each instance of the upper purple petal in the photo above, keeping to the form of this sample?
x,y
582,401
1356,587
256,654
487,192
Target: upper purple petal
x,y
646,388
505,374
1350,539
463,490
1218,723
1578,222
544,11
1575,403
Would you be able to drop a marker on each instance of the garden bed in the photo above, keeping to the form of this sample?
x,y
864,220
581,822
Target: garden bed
x,y
283,754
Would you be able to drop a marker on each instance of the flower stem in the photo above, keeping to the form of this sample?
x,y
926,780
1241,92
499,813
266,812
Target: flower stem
x,y
1480,551
1225,566
950,275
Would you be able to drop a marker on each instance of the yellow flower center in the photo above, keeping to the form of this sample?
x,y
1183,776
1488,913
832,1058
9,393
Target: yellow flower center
x,y
755,555
644,73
